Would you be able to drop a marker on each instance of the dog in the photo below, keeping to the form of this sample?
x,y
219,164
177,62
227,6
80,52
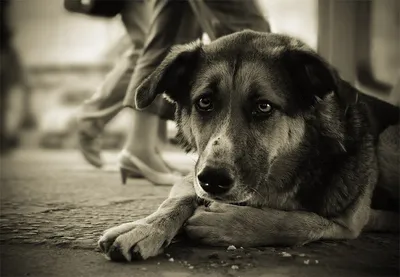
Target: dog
x,y
287,150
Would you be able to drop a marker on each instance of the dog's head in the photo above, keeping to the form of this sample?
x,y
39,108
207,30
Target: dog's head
x,y
242,104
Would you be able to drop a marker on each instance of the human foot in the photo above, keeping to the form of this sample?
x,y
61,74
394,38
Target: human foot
x,y
172,168
89,141
131,164
151,158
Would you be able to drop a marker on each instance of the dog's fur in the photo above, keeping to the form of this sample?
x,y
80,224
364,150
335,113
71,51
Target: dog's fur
x,y
303,172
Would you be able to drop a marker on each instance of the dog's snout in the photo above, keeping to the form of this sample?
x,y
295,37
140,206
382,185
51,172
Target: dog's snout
x,y
215,180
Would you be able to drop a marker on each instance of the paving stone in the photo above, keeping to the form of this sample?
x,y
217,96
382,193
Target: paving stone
x,y
76,220
28,228
20,237
32,233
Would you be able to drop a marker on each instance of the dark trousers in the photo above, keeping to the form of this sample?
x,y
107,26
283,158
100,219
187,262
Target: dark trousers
x,y
169,22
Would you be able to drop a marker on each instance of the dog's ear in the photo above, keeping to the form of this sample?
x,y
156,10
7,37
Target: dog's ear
x,y
171,77
315,77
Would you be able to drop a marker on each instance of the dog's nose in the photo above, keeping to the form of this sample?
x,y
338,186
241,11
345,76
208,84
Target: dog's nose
x,y
215,180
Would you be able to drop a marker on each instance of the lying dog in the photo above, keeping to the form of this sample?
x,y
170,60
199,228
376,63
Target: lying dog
x,y
287,152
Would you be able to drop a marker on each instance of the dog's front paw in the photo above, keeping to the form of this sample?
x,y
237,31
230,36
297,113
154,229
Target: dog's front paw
x,y
135,240
218,225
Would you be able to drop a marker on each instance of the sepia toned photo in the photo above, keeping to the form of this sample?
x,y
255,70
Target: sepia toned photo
x,y
199,138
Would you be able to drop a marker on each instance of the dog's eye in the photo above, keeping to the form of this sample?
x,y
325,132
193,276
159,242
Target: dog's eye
x,y
204,104
263,107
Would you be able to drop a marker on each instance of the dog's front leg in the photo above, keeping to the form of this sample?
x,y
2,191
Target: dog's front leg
x,y
223,224
149,236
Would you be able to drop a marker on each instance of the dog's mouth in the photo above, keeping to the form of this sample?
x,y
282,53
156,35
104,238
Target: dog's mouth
x,y
240,203
207,202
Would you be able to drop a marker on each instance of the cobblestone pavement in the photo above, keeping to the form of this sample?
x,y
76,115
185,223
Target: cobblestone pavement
x,y
52,201
55,198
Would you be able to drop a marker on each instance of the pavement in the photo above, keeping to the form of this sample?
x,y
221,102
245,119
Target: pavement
x,y
54,207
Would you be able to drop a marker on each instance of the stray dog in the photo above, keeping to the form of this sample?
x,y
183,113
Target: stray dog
x,y
287,149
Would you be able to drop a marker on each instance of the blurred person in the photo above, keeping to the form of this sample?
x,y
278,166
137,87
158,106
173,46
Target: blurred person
x,y
15,115
106,102
171,22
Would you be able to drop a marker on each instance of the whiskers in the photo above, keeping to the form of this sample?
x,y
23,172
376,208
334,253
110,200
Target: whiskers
x,y
264,199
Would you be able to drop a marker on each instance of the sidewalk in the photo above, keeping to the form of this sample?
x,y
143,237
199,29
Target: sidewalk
x,y
54,207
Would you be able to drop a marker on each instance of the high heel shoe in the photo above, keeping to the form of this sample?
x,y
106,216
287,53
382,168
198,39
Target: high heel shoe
x,y
175,170
90,149
131,165
129,173
90,125
89,141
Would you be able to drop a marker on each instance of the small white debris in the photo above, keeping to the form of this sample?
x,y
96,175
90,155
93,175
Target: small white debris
x,y
191,267
158,263
306,262
171,260
241,247
316,261
168,255
235,267
231,248
302,255
285,254
184,262
143,268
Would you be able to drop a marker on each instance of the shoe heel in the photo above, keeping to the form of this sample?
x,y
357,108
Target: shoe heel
x,y
124,175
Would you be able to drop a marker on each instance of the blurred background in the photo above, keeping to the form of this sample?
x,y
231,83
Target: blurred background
x,y
65,57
